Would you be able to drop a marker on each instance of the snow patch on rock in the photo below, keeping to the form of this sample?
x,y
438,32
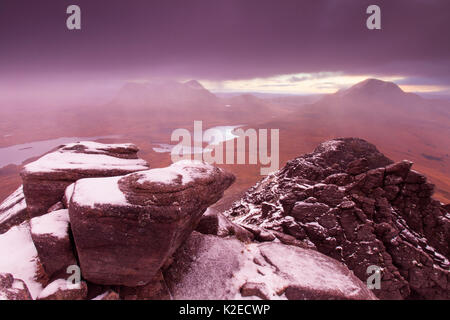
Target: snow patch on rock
x,y
19,256
12,205
95,191
97,147
58,285
60,160
182,172
54,224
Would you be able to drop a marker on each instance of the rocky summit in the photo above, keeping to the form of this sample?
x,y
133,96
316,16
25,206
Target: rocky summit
x,y
45,179
353,204
92,221
125,232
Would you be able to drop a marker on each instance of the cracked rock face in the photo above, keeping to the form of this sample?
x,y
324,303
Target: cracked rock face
x,y
45,179
126,227
357,206
257,270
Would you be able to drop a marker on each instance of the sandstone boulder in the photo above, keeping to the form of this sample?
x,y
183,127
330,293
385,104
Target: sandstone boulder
x,y
50,234
45,179
126,227
210,267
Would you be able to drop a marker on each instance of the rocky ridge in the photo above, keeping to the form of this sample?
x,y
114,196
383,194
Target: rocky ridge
x,y
351,203
131,229
98,208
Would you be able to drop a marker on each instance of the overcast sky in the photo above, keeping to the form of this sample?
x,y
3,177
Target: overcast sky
x,y
222,41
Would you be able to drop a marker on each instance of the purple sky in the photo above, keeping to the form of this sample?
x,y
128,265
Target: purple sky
x,y
222,40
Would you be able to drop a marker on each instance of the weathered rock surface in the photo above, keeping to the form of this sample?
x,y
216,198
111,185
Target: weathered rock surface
x,y
13,289
126,227
360,208
215,223
61,289
210,267
13,210
50,234
45,179
156,289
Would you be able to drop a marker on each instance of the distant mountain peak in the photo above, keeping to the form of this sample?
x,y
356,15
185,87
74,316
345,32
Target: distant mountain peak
x,y
194,84
372,87
167,92
372,83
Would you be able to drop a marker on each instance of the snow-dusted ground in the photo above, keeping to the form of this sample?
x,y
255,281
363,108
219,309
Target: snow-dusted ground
x,y
59,284
272,266
19,256
295,267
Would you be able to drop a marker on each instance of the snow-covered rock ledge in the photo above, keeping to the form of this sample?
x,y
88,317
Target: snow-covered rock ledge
x,y
45,179
13,210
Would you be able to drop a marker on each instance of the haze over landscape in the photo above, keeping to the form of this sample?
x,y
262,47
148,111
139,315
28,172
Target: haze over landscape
x,y
71,80
59,83
137,71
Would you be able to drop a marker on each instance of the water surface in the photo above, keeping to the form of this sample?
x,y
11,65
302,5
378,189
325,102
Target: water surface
x,y
216,135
